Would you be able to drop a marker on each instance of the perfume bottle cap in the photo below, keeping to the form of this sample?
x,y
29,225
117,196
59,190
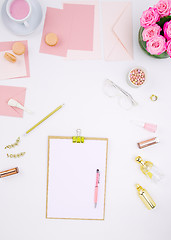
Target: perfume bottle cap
x,y
140,160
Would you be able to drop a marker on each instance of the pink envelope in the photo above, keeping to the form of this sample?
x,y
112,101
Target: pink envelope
x,y
117,31
16,93
74,26
6,46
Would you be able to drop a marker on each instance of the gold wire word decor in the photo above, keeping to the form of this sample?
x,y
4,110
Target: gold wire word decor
x,y
13,145
18,155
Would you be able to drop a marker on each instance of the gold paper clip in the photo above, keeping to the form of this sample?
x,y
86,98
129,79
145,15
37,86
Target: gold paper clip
x,y
78,138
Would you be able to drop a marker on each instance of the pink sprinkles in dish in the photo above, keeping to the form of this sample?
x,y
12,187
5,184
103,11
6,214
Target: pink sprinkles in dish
x,y
137,76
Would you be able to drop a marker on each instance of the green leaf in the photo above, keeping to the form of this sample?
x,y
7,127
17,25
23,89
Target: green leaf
x,y
163,20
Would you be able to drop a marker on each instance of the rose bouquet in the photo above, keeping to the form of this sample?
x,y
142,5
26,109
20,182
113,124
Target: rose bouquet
x,y
155,30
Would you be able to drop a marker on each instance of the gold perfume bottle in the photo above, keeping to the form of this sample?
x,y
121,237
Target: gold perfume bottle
x,y
149,169
145,197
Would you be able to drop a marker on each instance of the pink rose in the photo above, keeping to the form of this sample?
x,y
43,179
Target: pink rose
x,y
167,30
168,46
156,45
163,7
149,17
150,32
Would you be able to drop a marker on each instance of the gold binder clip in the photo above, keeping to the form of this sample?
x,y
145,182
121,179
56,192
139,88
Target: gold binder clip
x,y
78,138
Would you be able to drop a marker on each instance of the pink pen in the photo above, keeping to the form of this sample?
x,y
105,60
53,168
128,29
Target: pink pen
x,y
96,187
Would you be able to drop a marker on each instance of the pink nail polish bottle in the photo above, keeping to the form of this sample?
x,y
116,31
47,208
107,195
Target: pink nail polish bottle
x,y
148,126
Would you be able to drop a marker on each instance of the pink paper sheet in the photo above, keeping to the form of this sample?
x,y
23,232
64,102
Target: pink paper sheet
x,y
12,70
56,21
74,26
82,26
6,46
16,93
96,53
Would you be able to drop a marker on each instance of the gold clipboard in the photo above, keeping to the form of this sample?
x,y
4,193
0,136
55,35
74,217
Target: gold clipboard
x,y
86,138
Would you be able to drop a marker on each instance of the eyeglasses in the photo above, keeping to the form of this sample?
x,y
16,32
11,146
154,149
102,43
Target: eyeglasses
x,y
111,89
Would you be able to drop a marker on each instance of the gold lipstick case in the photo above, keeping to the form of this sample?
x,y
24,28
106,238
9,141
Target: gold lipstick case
x,y
145,197
148,142
9,172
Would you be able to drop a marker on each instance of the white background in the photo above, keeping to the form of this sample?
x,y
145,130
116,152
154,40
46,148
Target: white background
x,y
78,84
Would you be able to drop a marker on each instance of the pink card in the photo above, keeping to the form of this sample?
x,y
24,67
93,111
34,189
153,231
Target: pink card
x,y
96,53
16,93
82,27
7,46
72,26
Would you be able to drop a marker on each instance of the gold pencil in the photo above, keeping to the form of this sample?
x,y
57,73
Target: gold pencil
x,y
50,114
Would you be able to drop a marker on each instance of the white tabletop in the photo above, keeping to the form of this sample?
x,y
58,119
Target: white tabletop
x,y
78,84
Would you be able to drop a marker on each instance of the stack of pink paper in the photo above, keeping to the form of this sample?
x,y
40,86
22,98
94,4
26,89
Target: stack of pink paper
x,y
75,26
78,29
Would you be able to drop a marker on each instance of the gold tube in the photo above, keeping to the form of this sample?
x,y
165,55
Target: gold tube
x,y
9,172
50,114
145,197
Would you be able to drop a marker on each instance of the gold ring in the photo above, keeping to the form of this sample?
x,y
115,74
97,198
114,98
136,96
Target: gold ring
x,y
153,97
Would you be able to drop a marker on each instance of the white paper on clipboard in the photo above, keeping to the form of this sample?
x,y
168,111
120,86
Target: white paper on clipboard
x,y
72,177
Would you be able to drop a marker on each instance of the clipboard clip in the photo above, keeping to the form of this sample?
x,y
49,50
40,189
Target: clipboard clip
x,y
78,138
